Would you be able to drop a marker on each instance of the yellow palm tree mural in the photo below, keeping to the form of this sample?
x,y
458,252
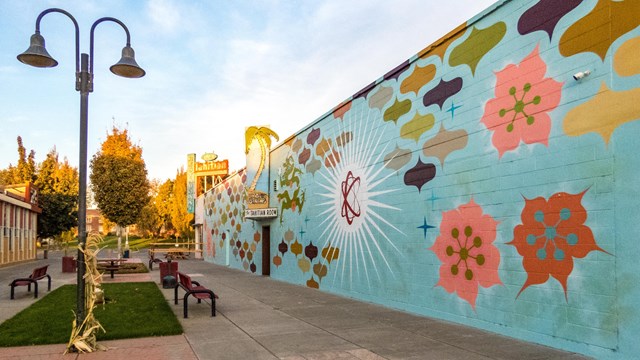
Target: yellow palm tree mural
x,y
263,135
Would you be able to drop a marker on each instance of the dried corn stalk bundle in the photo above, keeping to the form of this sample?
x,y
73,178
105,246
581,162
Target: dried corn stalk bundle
x,y
83,336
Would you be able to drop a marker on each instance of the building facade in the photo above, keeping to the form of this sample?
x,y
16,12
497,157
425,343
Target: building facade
x,y
490,180
18,223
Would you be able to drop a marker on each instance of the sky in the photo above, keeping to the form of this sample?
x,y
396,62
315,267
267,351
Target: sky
x,y
212,67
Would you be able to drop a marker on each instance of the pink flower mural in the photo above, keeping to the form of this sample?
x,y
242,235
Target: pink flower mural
x,y
551,235
465,248
519,112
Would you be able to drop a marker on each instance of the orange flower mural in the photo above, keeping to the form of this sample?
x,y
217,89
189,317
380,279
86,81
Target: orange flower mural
x,y
465,248
551,235
519,112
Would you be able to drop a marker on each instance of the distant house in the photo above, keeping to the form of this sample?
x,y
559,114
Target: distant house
x,y
18,223
95,222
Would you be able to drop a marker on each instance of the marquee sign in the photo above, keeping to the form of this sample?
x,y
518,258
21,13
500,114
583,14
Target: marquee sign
x,y
212,168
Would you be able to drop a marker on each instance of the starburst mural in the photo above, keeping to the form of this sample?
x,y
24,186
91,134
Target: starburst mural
x,y
353,212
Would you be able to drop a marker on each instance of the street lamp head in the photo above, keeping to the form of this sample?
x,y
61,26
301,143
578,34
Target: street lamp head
x,y
37,55
127,66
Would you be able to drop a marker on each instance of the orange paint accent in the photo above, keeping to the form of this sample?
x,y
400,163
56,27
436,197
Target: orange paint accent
x,y
439,48
339,112
418,78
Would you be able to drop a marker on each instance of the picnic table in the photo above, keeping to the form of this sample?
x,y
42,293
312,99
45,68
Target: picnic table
x,y
171,251
111,265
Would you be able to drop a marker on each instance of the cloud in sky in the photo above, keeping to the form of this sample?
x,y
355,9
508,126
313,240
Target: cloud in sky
x,y
213,68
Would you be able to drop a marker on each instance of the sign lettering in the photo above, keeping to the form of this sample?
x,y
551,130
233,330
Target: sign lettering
x,y
261,213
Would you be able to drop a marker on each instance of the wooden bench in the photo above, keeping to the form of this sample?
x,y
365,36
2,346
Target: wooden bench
x,y
37,274
194,288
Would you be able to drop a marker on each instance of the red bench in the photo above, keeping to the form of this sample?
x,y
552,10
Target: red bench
x,y
37,274
194,288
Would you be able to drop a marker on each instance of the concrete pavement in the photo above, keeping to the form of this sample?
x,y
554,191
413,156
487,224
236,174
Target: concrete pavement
x,y
261,318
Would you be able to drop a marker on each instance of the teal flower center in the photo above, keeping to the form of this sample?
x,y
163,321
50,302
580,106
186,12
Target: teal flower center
x,y
547,243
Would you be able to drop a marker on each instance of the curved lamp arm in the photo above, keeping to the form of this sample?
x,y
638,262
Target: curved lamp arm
x,y
127,66
75,24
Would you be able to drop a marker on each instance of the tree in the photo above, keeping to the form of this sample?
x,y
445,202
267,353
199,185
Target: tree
x,y
58,189
119,179
6,175
26,169
59,214
150,221
180,218
106,225
24,172
58,185
164,203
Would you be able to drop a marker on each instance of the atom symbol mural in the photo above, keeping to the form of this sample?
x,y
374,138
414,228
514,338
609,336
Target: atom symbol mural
x,y
352,215
350,204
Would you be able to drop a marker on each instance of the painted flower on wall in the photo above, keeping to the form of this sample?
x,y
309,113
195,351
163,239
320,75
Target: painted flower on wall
x,y
551,235
465,248
519,112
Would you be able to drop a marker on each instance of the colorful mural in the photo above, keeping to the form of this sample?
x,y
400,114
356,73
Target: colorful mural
x,y
462,181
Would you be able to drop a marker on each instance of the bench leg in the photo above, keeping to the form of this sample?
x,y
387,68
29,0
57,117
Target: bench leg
x,y
12,291
49,287
185,306
35,285
175,295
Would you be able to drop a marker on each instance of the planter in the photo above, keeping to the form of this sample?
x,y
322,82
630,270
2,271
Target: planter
x,y
68,264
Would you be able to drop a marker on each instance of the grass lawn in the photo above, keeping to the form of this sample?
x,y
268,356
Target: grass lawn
x,y
132,310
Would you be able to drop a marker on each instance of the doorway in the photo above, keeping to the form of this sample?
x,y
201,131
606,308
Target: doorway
x,y
266,251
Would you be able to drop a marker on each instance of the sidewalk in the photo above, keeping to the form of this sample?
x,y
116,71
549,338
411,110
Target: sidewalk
x,y
260,318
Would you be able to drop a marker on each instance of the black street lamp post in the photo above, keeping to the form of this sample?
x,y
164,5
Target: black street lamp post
x,y
37,55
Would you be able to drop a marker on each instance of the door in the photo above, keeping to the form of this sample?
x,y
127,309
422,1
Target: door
x,y
266,251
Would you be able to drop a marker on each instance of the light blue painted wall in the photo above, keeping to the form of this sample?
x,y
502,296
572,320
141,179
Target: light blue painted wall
x,y
388,225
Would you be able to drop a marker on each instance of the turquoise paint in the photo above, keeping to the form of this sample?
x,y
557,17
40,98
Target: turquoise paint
x,y
368,212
